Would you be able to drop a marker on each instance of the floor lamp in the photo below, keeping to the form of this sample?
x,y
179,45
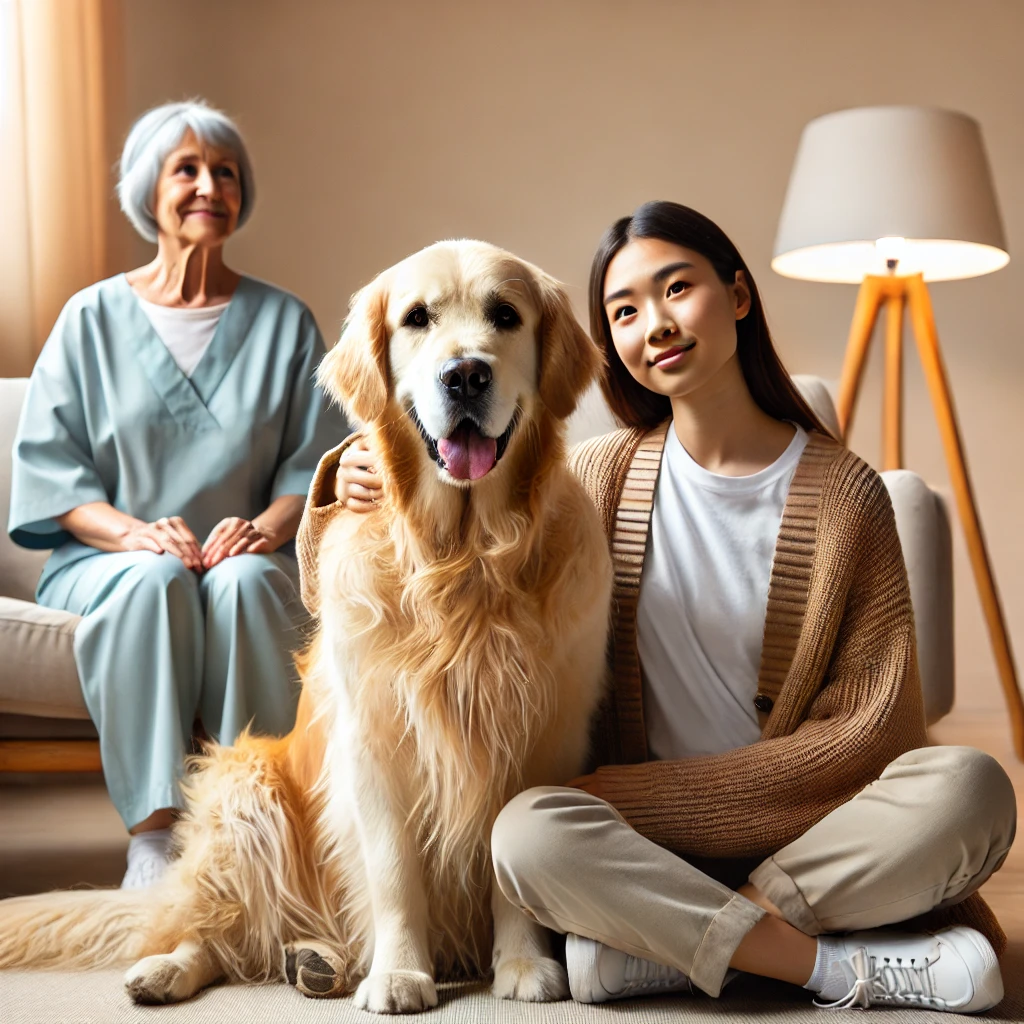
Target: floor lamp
x,y
890,198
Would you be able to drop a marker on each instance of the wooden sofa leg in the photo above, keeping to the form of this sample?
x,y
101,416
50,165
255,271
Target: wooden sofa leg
x,y
50,756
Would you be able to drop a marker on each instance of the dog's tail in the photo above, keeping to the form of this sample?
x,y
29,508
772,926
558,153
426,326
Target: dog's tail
x,y
78,928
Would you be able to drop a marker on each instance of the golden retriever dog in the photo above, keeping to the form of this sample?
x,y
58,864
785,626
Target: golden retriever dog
x,y
458,658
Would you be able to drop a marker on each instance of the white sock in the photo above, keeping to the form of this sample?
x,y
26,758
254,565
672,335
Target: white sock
x,y
828,978
148,856
153,835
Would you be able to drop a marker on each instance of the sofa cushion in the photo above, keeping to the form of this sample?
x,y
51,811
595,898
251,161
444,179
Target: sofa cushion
x,y
38,675
19,567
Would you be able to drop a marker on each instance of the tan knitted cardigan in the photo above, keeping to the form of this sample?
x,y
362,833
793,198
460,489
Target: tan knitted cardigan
x,y
838,694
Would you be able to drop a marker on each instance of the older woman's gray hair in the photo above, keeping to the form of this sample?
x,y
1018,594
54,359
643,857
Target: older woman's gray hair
x,y
154,137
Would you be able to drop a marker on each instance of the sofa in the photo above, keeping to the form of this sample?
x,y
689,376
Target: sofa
x,y
44,724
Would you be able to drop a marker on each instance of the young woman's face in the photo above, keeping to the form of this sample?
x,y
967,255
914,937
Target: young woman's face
x,y
673,320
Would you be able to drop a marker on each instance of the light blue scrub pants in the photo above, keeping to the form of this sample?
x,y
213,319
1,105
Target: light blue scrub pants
x,y
160,646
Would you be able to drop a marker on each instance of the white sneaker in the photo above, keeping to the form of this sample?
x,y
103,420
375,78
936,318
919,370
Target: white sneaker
x,y
149,853
598,973
954,969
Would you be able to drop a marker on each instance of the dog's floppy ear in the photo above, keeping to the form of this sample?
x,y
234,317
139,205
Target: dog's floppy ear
x,y
355,372
569,360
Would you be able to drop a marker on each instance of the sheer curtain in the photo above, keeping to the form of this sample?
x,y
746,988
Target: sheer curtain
x,y
61,68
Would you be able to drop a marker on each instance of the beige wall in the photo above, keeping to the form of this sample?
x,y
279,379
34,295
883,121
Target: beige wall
x,y
378,128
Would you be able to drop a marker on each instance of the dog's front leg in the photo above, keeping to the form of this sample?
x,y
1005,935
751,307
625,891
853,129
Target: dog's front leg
x,y
523,966
172,977
400,978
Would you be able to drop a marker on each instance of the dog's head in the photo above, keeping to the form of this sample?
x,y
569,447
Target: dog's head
x,y
468,343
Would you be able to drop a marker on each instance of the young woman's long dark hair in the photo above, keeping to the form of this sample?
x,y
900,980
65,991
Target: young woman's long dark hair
x,y
770,385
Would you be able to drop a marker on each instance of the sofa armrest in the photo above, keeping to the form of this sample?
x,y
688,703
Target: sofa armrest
x,y
38,674
922,521
817,395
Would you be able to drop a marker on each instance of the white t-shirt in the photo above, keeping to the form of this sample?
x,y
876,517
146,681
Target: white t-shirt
x,y
703,600
186,333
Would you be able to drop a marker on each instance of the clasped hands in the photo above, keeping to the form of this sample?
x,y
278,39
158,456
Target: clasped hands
x,y
231,536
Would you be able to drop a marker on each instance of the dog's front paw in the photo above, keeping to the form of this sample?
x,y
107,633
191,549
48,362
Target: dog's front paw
x,y
532,980
396,992
315,969
158,979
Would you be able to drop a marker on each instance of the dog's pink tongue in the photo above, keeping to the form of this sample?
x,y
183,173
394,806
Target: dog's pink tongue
x,y
467,454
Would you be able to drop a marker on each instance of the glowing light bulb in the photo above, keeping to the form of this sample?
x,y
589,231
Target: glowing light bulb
x,y
891,251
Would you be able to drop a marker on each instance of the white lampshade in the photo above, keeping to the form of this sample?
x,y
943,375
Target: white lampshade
x,y
875,183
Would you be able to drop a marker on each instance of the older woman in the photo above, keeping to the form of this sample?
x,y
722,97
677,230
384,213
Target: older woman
x,y
169,435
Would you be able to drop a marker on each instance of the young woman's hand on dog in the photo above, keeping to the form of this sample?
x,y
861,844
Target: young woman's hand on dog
x,y
356,484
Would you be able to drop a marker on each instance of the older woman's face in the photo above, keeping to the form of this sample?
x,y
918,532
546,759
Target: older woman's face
x,y
198,194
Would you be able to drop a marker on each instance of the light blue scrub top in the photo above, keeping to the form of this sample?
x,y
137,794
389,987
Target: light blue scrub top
x,y
110,417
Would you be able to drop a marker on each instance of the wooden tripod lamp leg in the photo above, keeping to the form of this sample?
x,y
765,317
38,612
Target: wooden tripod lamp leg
x,y
869,299
931,360
892,408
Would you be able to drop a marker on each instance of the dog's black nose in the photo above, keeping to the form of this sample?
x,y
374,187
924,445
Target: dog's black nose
x,y
466,378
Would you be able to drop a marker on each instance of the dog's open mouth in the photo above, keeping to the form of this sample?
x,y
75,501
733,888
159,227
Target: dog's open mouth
x,y
466,453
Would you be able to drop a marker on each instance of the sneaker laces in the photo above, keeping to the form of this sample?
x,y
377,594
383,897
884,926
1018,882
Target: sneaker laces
x,y
879,981
644,974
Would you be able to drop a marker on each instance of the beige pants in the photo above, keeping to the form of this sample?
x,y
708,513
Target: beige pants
x,y
927,833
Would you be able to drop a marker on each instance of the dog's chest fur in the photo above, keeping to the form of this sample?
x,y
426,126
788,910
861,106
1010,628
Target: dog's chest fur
x,y
449,680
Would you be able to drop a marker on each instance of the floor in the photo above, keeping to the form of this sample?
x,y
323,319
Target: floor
x,y
56,832
61,831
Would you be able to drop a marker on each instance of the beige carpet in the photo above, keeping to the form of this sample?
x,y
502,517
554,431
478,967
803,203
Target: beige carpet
x,y
58,835
98,998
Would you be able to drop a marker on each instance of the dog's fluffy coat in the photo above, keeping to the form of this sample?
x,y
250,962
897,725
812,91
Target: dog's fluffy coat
x,y
459,656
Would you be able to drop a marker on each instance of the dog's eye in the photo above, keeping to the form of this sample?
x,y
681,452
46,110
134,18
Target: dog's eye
x,y
417,317
505,316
